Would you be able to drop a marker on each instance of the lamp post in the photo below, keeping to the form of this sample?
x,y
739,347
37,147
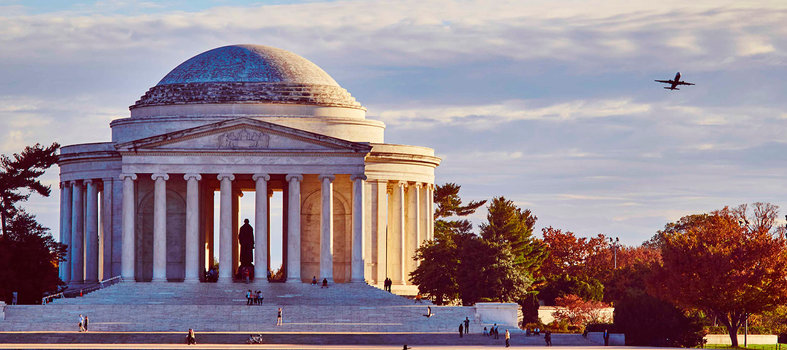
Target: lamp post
x,y
615,244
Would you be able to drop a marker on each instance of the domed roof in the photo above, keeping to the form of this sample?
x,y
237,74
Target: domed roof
x,y
247,74
248,63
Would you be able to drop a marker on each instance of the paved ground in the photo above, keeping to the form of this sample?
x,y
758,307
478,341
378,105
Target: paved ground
x,y
290,346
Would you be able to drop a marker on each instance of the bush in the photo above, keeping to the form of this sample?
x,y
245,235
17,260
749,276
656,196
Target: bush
x,y
648,321
600,327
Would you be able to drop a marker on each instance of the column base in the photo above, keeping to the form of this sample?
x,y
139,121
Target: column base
x,y
128,280
158,280
192,280
293,280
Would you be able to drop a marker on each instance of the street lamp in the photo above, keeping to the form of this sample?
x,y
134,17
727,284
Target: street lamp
x,y
615,244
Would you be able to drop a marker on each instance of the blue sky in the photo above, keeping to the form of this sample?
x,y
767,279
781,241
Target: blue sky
x,y
549,103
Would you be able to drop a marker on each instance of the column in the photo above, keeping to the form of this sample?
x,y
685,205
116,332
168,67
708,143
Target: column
x,y
236,194
358,224
91,232
418,234
399,212
127,259
261,227
77,233
430,211
192,228
294,228
381,230
326,227
160,227
106,227
225,228
65,229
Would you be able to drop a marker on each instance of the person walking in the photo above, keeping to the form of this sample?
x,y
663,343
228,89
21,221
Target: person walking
x,y
467,325
259,297
495,331
461,330
191,339
248,297
548,337
279,320
81,323
86,322
508,338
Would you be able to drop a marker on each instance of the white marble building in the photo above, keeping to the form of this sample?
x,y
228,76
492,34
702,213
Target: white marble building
x,y
245,118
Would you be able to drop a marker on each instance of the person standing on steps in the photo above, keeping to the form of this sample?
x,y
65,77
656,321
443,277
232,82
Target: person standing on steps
x,y
467,325
461,330
508,338
279,320
548,337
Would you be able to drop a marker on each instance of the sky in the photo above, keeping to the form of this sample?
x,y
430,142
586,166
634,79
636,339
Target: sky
x,y
549,103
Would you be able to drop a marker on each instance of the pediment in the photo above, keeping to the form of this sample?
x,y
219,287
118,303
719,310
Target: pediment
x,y
240,135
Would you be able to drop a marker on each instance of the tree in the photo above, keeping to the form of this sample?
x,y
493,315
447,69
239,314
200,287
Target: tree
x,y
578,312
587,288
509,225
726,263
649,321
19,173
29,256
437,274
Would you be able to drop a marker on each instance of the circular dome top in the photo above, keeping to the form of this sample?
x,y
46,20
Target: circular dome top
x,y
248,63
247,74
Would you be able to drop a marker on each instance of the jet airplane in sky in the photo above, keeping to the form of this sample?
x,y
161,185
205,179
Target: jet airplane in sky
x,y
674,83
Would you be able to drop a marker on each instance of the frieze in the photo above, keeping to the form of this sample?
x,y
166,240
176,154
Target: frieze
x,y
243,139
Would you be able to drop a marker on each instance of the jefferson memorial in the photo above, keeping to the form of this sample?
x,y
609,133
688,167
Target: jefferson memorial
x,y
245,118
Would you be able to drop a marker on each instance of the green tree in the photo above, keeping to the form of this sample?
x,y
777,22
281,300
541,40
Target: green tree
x,y
587,288
29,256
19,177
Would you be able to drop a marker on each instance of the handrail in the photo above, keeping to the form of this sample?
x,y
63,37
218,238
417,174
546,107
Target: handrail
x,y
101,285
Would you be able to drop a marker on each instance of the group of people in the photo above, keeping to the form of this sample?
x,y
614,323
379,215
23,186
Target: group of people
x,y
387,284
324,282
254,298
494,331
83,322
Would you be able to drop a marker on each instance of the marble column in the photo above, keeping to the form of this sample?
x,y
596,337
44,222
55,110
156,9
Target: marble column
x,y
77,233
400,234
418,234
192,228
326,227
380,187
261,227
294,229
160,227
65,229
106,226
127,258
225,228
91,232
358,225
430,212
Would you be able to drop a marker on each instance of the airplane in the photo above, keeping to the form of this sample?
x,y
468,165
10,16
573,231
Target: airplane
x,y
674,83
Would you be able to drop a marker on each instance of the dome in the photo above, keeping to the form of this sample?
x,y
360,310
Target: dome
x,y
247,74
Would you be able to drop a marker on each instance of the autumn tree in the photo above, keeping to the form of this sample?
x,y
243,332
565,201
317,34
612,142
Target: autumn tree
x,y
579,312
727,263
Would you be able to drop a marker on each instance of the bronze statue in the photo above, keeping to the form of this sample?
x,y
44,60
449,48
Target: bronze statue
x,y
246,239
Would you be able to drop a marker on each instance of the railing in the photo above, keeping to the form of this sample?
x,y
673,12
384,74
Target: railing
x,y
81,291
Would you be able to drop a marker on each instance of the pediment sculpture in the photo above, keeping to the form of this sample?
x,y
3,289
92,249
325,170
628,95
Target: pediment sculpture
x,y
243,139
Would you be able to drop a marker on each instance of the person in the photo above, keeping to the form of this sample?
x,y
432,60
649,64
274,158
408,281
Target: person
x,y
527,331
606,337
86,322
254,339
81,323
467,325
537,331
548,337
191,338
508,339
461,330
314,280
418,297
279,320
248,297
324,283
259,297
486,332
494,331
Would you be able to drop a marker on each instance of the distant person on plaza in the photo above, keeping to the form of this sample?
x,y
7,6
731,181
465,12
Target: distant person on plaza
x,y
279,319
81,323
508,338
86,322
461,330
324,283
537,331
259,297
467,325
606,337
314,280
248,297
191,338
548,337
494,331
486,332
418,297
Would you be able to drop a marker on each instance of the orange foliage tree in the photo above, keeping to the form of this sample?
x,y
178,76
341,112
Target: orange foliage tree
x,y
578,312
726,263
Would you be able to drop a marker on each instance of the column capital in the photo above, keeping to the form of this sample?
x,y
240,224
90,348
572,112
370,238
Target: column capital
x,y
230,177
107,179
290,177
190,176
327,177
418,185
258,176
358,177
89,181
163,176
400,183
132,176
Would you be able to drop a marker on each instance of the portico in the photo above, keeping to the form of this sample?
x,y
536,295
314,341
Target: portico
x,y
141,206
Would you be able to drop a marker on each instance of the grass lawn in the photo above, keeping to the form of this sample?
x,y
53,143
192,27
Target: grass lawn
x,y
751,346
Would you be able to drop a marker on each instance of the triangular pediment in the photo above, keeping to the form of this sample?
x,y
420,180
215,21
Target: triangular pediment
x,y
243,134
